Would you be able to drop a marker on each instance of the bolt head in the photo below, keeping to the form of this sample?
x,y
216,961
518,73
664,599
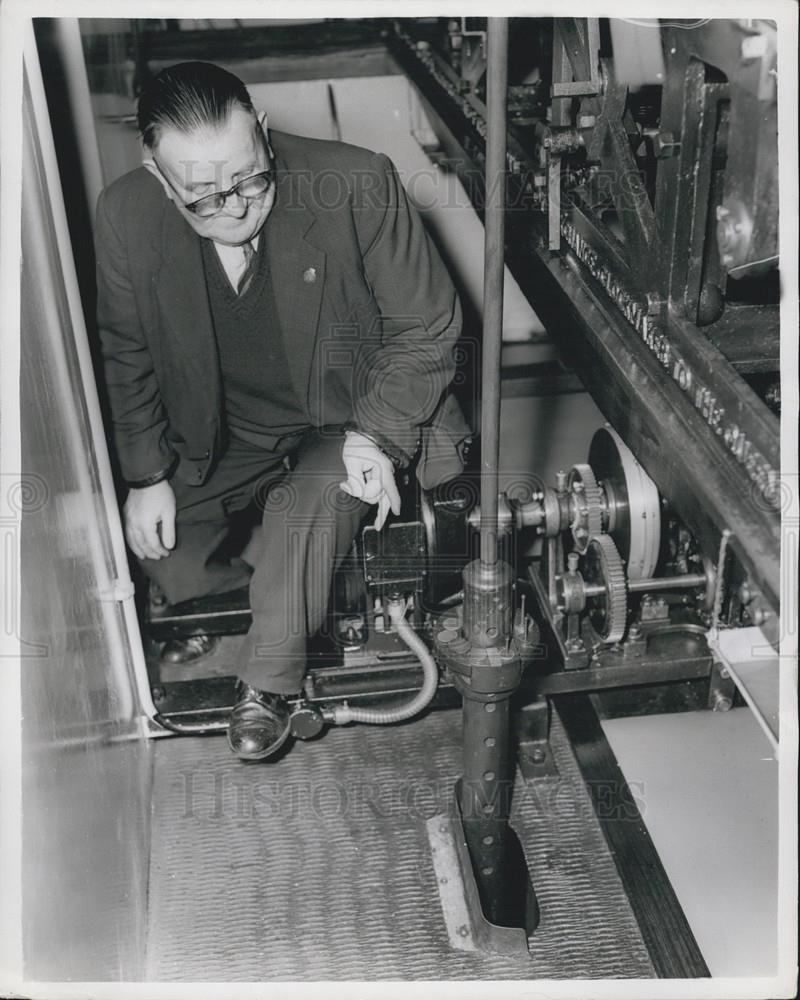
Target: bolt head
x,y
663,143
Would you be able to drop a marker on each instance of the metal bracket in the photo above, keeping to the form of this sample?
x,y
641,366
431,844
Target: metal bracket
x,y
534,754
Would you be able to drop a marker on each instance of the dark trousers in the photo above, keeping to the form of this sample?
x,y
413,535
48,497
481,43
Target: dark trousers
x,y
309,526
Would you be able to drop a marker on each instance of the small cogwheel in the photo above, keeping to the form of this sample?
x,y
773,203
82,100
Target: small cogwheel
x,y
601,564
586,504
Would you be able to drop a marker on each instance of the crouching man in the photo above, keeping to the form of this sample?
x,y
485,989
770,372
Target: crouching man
x,y
261,294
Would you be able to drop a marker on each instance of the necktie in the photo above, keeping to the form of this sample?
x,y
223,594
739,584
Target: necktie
x,y
249,268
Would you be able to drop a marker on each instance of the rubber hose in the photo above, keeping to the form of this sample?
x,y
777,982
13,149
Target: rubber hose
x,y
342,714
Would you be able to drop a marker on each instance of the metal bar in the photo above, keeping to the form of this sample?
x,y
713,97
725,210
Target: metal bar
x,y
494,265
562,75
554,202
631,201
593,48
630,197
574,89
699,246
577,48
648,670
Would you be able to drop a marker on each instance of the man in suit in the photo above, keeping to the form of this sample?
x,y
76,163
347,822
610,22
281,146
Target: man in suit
x,y
259,295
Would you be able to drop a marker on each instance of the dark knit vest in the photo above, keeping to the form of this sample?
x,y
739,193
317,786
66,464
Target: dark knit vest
x,y
259,396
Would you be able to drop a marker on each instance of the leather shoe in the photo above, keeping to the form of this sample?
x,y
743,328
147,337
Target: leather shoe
x,y
258,724
189,650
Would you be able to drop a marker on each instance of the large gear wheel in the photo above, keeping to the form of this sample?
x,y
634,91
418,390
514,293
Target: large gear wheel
x,y
586,503
602,564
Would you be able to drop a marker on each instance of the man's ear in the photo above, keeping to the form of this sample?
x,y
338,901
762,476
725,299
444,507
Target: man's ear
x,y
262,121
150,166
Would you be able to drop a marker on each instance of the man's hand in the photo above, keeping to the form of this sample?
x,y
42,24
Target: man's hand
x,y
370,476
146,511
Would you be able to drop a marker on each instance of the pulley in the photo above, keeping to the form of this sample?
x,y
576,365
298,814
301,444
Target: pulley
x,y
633,506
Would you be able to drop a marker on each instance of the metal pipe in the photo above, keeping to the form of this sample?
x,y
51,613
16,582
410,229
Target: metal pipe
x,y
493,272
485,800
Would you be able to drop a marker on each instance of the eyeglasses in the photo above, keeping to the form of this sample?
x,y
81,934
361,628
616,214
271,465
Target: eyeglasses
x,y
250,187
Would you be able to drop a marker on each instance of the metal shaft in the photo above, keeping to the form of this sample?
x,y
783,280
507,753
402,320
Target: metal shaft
x,y
686,581
494,262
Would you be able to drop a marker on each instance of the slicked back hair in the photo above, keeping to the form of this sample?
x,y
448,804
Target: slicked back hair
x,y
188,97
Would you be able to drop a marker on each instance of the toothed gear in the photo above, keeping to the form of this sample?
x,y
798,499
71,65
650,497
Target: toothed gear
x,y
588,510
602,564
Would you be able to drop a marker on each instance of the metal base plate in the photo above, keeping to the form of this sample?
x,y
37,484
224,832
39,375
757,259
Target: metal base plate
x,y
467,926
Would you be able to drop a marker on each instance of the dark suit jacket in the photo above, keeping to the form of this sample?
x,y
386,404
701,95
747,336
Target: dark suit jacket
x,y
367,310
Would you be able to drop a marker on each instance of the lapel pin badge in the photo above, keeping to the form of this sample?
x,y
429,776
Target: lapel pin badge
x,y
309,275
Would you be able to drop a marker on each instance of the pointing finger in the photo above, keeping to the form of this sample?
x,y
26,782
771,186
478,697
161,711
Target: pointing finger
x,y
383,512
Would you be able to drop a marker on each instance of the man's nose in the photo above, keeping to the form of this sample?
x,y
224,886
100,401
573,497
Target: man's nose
x,y
236,205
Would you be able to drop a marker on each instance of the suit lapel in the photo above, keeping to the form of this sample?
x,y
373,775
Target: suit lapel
x,y
297,265
183,301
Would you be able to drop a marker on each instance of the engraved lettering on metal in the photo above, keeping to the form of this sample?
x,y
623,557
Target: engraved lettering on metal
x,y
657,340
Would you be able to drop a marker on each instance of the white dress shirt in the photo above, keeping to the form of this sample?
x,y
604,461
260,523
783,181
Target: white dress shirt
x,y
233,260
